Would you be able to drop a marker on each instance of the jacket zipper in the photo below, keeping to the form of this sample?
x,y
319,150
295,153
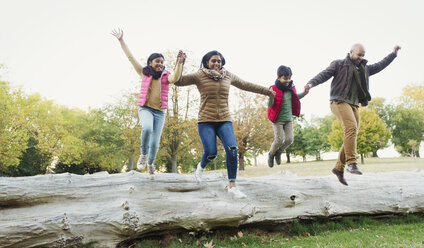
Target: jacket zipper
x,y
217,99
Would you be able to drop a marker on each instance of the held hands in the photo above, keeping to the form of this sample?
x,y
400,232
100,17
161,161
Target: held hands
x,y
271,94
118,33
181,57
396,49
307,88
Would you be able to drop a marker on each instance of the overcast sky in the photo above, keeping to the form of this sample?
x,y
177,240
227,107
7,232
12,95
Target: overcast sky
x,y
64,51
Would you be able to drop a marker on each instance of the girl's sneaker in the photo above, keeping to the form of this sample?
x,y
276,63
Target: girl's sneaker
x,y
151,168
199,172
141,163
236,192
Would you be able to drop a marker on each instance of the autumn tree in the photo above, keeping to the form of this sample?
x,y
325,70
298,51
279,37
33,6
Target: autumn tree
x,y
263,134
413,96
373,133
252,128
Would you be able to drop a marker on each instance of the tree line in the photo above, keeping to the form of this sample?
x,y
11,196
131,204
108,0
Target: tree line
x,y
38,136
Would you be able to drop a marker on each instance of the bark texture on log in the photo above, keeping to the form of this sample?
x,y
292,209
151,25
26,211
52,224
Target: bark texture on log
x,y
65,210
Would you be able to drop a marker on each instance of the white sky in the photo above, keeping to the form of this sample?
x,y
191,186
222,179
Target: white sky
x,y
64,51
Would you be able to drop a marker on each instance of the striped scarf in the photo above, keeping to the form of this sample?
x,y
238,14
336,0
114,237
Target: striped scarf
x,y
215,75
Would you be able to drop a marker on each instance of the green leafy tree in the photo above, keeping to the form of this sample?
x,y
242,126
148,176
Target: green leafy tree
x,y
298,147
104,141
408,133
313,142
316,136
32,162
124,116
13,126
407,126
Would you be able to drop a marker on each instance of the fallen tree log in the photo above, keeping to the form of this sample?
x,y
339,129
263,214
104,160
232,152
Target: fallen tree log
x,y
66,210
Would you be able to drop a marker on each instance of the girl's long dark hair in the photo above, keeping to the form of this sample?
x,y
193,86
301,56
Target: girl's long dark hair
x,y
148,70
208,56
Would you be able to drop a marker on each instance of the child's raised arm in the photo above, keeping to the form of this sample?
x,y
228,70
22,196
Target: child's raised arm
x,y
119,34
174,77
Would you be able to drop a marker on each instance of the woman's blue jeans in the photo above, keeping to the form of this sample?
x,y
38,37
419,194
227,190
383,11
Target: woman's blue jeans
x,y
152,122
225,132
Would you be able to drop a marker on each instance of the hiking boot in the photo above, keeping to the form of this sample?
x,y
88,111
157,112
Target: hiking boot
x,y
234,191
339,175
270,160
198,173
142,161
151,168
278,158
353,168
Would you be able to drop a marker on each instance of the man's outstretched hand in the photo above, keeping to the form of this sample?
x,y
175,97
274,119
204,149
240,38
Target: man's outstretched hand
x,y
396,49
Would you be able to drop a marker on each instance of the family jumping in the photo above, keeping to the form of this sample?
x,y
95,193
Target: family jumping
x,y
349,88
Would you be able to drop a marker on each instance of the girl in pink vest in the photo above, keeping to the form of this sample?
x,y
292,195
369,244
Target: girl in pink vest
x,y
153,99
280,112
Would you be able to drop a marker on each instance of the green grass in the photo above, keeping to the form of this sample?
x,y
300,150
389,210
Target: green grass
x,y
323,168
394,231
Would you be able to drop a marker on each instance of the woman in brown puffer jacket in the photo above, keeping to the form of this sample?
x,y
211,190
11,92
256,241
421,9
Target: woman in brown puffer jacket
x,y
213,83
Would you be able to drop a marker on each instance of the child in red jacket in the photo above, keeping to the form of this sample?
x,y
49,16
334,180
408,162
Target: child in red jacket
x,y
281,111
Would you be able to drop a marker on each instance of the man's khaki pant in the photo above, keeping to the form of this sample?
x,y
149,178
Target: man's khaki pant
x,y
348,115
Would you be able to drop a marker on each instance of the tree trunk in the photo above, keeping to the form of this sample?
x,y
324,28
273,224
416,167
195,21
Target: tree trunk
x,y
288,157
68,210
241,160
131,162
374,154
418,153
362,158
214,164
318,157
255,157
174,163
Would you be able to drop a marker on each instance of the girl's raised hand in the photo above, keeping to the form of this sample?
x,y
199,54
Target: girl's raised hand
x,y
181,57
118,33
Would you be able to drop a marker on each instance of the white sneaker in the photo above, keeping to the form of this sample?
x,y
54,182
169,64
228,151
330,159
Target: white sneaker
x,y
151,168
141,163
236,192
199,172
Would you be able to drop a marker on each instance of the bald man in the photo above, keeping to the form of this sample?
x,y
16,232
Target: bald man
x,y
349,88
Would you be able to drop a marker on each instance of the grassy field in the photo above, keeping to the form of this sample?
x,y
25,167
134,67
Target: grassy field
x,y
323,168
362,231
394,231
